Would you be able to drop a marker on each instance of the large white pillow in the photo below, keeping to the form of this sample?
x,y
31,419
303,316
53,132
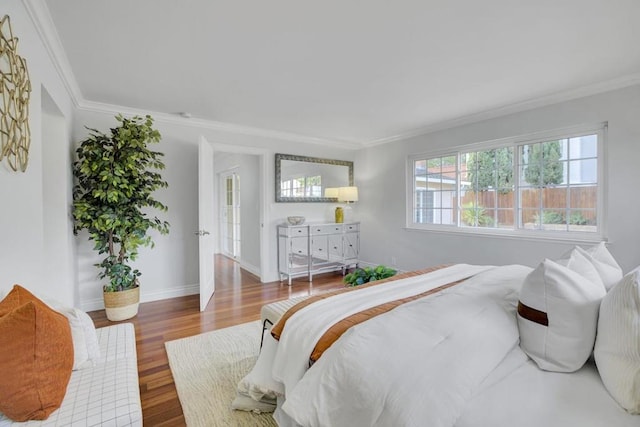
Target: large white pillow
x,y
617,350
577,261
558,316
609,270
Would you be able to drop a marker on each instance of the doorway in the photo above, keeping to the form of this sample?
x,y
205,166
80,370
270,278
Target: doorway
x,y
240,189
230,221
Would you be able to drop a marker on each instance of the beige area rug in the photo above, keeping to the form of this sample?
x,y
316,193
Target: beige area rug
x,y
206,369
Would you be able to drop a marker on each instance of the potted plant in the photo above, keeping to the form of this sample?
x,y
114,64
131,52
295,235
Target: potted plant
x,y
368,274
116,176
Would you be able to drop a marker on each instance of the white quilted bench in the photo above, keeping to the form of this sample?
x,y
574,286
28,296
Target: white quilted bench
x,y
106,394
271,313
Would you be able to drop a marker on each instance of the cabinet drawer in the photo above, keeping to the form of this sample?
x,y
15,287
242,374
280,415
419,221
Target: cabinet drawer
x,y
326,229
294,231
349,228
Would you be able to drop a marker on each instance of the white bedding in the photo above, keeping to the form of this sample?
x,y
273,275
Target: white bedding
x,y
449,359
304,328
282,363
520,394
416,365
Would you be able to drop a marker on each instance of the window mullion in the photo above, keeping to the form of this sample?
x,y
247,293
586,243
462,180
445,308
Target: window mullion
x,y
458,190
517,209
567,195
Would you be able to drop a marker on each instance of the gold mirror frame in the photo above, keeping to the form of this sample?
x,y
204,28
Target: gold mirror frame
x,y
15,91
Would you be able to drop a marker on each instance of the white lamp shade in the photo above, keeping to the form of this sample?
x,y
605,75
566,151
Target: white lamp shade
x,y
331,192
348,194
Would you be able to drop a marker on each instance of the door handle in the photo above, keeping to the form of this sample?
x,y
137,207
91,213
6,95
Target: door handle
x,y
201,233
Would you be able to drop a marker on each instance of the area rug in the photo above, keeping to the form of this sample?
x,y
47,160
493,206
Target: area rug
x,y
206,369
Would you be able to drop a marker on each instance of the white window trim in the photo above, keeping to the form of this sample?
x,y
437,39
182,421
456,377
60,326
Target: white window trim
x,y
600,129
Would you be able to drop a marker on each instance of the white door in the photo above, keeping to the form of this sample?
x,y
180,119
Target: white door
x,y
205,222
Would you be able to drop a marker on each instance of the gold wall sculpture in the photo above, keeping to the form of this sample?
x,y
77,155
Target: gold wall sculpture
x,y
15,91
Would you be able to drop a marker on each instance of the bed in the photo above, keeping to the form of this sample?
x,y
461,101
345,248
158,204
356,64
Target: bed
x,y
448,355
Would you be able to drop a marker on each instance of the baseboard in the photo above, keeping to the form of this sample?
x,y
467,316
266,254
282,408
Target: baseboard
x,y
92,305
250,268
366,264
362,264
98,303
171,293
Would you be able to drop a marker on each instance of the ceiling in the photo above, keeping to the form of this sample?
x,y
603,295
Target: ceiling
x,y
346,71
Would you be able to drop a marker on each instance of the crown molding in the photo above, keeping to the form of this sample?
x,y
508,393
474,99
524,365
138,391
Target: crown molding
x,y
581,92
174,119
41,18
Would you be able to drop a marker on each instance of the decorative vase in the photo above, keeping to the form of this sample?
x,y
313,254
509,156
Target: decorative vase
x,y
121,305
339,215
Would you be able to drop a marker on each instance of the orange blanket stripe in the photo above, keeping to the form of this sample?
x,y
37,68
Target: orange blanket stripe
x,y
336,331
339,328
276,331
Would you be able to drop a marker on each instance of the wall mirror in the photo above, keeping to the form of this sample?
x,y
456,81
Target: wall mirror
x,y
305,179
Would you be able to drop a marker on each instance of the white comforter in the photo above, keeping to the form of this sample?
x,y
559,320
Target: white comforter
x,y
416,365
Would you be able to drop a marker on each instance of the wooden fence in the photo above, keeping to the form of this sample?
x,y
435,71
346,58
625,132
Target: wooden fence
x,y
581,199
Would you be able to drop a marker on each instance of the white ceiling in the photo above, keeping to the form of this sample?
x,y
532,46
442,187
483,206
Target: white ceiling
x,y
344,70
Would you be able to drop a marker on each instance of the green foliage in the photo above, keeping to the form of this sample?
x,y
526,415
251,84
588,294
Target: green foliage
x,y
549,217
491,169
577,218
368,274
543,166
116,175
475,216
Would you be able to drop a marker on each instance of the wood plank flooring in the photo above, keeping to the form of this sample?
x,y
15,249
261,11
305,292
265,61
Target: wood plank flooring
x,y
237,299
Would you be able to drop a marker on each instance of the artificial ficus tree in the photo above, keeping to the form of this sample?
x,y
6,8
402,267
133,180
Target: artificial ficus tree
x,y
116,175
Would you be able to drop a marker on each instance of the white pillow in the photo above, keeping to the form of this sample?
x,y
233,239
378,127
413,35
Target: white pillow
x,y
617,350
90,335
578,262
87,342
609,270
568,303
83,334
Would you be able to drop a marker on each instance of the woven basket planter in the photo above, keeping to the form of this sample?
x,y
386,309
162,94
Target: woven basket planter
x,y
121,305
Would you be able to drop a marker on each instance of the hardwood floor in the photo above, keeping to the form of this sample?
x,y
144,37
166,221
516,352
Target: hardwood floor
x,y
237,299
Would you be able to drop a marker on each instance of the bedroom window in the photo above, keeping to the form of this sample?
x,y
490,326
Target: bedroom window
x,y
545,185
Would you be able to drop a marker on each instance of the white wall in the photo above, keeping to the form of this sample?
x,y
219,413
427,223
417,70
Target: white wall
x,y
171,268
23,253
57,199
381,176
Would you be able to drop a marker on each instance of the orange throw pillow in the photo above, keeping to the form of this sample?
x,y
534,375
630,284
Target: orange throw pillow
x,y
36,357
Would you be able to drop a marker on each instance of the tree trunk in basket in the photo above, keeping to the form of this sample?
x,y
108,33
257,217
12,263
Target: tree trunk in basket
x,y
121,305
